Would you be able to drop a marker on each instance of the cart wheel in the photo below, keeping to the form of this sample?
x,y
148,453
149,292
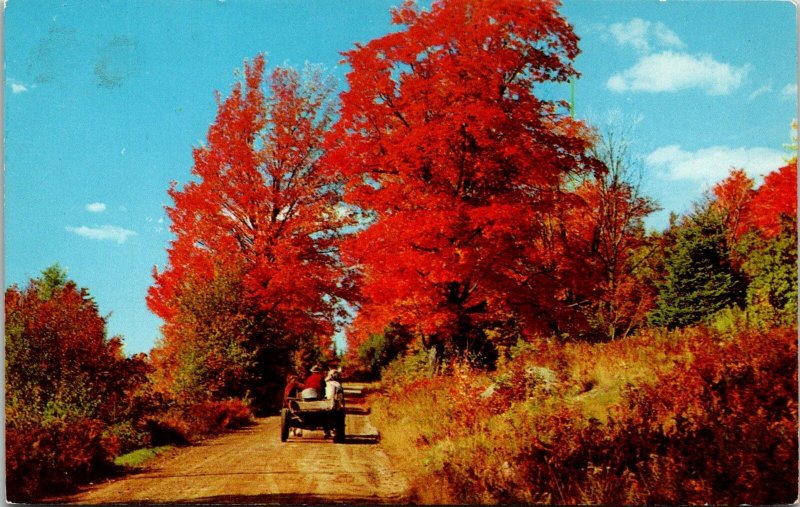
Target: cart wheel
x,y
339,435
284,424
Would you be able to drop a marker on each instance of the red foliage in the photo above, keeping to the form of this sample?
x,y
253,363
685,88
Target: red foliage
x,y
763,209
721,430
716,426
57,353
775,199
196,421
263,205
604,231
734,195
262,219
461,167
213,417
66,384
61,333
52,458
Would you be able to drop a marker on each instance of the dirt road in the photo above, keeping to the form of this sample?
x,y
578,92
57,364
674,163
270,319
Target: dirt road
x,y
252,466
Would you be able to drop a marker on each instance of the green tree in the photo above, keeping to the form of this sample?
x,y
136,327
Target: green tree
x,y
700,278
53,279
210,354
380,349
771,269
307,353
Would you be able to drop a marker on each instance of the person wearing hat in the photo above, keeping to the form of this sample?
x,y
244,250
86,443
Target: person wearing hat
x,y
332,384
332,388
314,387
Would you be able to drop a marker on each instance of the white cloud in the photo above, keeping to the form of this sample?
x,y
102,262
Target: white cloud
x,y
643,35
789,91
666,37
103,233
96,207
760,91
669,71
18,88
709,165
616,83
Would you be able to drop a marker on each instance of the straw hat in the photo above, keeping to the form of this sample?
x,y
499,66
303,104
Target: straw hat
x,y
315,369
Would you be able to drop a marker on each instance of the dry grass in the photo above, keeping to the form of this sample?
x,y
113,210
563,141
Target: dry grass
x,y
608,431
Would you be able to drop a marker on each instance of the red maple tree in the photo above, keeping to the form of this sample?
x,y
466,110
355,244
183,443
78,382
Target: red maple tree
x,y
261,222
774,201
733,196
763,209
461,169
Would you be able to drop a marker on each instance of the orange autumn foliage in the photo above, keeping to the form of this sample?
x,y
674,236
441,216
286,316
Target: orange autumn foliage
x,y
774,199
713,421
461,170
254,266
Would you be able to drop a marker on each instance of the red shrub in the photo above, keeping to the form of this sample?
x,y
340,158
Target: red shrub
x,y
718,428
52,458
724,428
186,424
716,422
212,417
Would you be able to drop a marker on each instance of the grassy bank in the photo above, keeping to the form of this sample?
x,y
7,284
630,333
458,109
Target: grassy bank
x,y
689,416
140,457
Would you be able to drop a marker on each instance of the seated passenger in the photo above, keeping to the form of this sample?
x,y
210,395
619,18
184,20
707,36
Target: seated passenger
x,y
332,385
314,387
293,388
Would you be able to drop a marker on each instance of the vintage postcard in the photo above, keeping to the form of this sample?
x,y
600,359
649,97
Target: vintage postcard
x,y
400,252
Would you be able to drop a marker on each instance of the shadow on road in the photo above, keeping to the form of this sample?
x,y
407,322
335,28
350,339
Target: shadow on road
x,y
295,499
362,439
357,409
308,438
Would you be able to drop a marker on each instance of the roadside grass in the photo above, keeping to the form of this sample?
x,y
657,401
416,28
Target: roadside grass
x,y
627,422
407,426
139,457
599,374
437,430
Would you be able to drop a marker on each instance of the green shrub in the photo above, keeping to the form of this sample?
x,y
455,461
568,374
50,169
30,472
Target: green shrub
x,y
408,368
128,436
379,350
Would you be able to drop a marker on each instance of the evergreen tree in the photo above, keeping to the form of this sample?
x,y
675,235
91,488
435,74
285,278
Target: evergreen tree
x,y
700,279
52,279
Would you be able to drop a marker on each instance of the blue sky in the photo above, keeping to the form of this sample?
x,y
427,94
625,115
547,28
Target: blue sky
x,y
104,101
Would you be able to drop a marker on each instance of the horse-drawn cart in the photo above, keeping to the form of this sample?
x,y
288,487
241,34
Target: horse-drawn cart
x,y
325,414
